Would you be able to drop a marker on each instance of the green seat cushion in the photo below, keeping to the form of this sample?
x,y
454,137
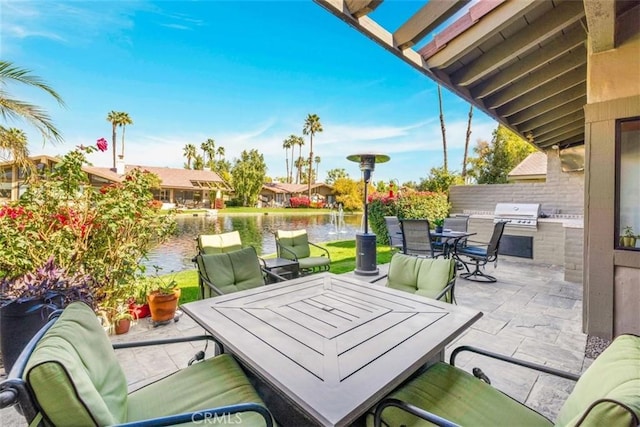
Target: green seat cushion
x,y
608,392
215,382
233,271
295,241
219,243
454,394
421,276
74,373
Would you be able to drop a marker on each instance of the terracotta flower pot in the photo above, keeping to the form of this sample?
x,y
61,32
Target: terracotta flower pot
x,y
122,326
163,306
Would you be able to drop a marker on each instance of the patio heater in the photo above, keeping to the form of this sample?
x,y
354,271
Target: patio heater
x,y
365,241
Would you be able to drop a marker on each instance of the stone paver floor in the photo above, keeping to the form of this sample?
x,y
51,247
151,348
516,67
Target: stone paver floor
x,y
530,313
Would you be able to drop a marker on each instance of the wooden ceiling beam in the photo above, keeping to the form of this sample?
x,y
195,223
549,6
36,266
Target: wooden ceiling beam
x,y
557,119
477,33
359,8
601,22
545,91
567,142
542,76
550,104
569,127
425,20
556,48
559,139
546,27
546,116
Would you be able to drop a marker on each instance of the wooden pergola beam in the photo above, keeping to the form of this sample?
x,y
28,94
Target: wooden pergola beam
x,y
538,78
425,20
540,30
550,52
359,8
551,104
557,119
601,21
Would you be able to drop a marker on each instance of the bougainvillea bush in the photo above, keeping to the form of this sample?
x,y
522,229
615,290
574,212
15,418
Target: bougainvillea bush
x,y
99,232
409,204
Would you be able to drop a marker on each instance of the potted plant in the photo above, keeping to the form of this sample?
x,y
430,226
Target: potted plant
x,y
138,305
628,239
122,319
163,299
438,222
27,300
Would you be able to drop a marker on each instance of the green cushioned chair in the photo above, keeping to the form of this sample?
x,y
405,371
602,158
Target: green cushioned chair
x,y
607,394
224,273
295,245
429,277
68,375
219,243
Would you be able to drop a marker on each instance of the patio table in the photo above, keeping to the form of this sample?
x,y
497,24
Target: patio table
x,y
332,345
451,239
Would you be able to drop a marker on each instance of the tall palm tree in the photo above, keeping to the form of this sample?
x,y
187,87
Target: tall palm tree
x,y
317,161
466,143
208,149
16,109
190,153
300,143
299,163
295,140
289,144
123,121
220,152
312,126
114,118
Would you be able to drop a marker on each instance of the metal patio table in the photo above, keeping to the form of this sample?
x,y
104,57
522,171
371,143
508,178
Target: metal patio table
x,y
332,345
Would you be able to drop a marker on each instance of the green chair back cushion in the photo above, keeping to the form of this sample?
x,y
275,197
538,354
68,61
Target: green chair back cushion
x,y
74,374
233,271
295,241
420,276
219,243
608,392
458,396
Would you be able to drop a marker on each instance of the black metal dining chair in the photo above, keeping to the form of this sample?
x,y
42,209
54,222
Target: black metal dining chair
x,y
416,238
478,254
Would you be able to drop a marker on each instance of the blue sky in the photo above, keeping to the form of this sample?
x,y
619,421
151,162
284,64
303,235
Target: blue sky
x,y
243,73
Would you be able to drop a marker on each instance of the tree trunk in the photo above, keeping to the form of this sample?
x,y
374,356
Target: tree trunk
x,y
310,166
113,143
466,143
122,152
442,127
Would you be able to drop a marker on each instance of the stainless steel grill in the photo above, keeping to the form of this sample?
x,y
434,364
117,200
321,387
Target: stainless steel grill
x,y
518,214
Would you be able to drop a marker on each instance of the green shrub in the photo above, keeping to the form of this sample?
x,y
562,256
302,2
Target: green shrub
x,y
409,205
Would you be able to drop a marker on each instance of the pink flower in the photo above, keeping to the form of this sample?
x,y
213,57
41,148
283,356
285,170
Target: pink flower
x,y
102,144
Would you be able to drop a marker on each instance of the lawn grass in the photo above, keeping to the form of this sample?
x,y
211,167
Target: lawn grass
x,y
343,260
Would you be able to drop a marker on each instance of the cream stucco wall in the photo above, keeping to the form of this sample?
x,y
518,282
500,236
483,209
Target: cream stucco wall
x,y
611,277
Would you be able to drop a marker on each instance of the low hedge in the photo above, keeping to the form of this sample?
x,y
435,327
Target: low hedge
x,y
408,205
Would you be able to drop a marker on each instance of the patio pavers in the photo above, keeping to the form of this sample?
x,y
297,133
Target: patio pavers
x,y
529,313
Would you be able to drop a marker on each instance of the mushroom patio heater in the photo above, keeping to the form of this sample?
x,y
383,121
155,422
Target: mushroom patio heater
x,y
365,241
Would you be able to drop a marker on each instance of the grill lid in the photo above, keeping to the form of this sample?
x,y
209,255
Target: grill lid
x,y
518,214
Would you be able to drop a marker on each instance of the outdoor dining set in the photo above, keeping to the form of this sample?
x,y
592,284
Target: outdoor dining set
x,y
298,345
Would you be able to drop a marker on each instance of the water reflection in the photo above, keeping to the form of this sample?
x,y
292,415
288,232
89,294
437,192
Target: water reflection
x,y
255,230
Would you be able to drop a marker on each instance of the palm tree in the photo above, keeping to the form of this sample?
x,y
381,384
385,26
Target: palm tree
x,y
190,153
317,161
312,126
208,149
300,143
295,140
123,121
288,144
220,152
13,141
466,144
16,109
299,164
114,118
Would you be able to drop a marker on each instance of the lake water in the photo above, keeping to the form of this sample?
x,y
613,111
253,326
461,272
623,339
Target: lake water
x,y
255,230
